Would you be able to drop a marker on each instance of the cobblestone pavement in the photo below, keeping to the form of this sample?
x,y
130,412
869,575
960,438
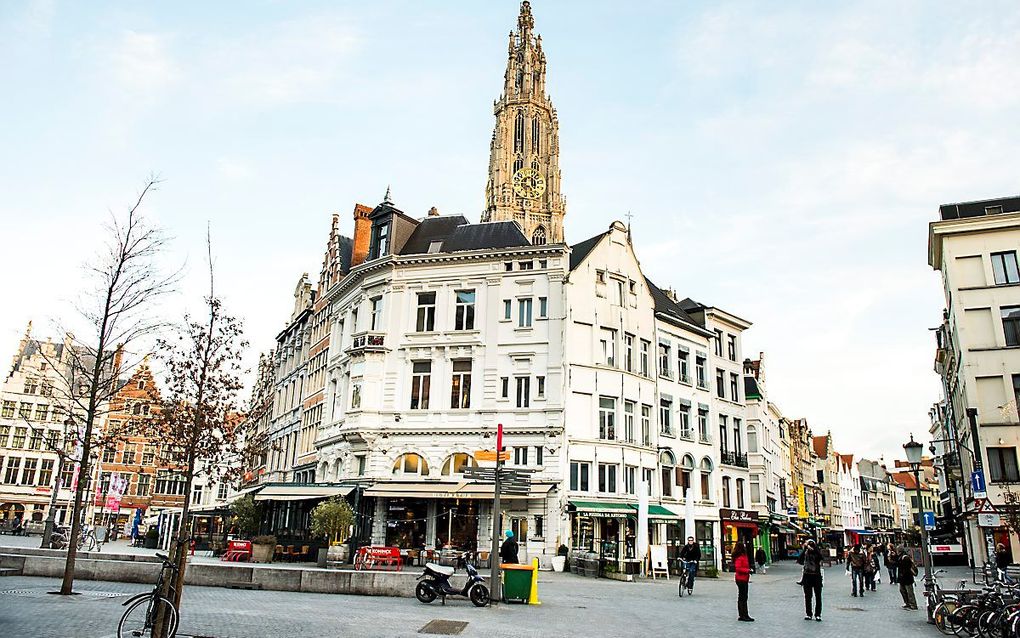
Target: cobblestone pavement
x,y
571,605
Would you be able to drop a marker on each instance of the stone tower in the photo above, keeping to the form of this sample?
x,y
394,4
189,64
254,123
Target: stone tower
x,y
524,167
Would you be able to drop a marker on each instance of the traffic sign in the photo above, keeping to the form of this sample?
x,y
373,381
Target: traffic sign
x,y
989,520
929,520
977,484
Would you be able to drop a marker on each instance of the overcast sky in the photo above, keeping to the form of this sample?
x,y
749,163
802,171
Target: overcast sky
x,y
780,162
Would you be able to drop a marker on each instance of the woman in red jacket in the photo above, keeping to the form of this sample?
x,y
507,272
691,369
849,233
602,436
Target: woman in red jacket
x,y
743,576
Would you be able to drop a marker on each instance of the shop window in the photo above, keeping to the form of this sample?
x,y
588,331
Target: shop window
x,y
455,463
412,464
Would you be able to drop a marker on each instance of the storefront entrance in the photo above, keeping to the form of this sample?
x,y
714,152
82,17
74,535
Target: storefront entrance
x,y
406,523
737,526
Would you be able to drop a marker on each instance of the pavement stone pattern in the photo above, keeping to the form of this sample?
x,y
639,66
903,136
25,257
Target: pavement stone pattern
x,y
571,606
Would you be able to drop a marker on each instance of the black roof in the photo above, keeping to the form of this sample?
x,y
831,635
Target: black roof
x,y
666,306
751,389
431,229
346,253
486,235
580,250
980,208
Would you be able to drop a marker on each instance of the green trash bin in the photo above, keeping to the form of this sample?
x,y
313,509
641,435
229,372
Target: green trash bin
x,y
516,582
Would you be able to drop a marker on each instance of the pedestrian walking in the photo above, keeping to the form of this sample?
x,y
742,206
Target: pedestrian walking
x,y
872,569
811,579
891,558
742,567
760,558
906,570
856,560
1002,560
508,550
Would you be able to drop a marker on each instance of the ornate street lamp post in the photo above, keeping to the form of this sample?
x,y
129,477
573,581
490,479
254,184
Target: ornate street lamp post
x,y
913,450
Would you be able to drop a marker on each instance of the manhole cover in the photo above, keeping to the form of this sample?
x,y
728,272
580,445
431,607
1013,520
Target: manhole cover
x,y
850,608
443,627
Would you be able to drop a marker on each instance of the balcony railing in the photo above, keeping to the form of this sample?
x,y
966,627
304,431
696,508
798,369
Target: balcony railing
x,y
741,460
367,342
734,459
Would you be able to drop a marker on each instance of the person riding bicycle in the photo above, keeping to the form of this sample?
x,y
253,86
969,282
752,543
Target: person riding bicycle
x,y
691,555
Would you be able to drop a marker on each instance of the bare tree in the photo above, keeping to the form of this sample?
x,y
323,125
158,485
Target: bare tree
x,y
199,420
123,282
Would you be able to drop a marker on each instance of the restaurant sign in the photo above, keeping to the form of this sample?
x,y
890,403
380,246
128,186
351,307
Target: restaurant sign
x,y
739,516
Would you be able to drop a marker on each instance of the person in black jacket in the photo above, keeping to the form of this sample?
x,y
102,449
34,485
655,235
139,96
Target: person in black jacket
x,y
691,555
906,570
811,579
508,551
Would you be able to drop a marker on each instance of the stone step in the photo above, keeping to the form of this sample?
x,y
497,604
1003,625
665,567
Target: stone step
x,y
9,571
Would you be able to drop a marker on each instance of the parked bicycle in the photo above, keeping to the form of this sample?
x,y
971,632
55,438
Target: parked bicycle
x,y
143,610
88,541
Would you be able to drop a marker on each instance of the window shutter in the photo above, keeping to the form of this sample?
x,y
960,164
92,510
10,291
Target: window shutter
x,y
679,475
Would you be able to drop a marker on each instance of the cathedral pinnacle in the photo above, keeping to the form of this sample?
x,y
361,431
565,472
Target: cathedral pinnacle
x,y
386,197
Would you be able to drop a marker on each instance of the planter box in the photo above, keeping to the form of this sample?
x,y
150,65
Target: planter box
x,y
559,563
262,553
337,553
627,578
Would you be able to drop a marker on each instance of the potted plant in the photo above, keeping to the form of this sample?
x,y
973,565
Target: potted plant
x,y
151,539
263,548
245,516
559,561
332,519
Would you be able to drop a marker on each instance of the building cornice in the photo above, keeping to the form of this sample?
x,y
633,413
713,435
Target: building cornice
x,y
965,226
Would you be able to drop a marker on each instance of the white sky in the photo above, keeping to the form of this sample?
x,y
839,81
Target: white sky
x,y
780,162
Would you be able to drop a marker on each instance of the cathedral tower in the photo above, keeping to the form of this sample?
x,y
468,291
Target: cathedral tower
x,y
524,167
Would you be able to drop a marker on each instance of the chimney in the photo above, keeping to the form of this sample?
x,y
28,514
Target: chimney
x,y
433,212
362,234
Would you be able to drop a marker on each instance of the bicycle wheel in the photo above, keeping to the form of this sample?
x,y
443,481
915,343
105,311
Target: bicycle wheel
x,y
940,614
137,621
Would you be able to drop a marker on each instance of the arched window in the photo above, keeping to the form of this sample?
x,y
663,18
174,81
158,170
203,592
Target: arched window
x,y
686,471
519,132
706,479
752,438
667,463
726,491
534,165
536,135
518,164
455,463
323,471
412,464
336,470
538,237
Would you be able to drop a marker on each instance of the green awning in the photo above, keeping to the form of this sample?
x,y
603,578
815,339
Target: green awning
x,y
602,508
660,512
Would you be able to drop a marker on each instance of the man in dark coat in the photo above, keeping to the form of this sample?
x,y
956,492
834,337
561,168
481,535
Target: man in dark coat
x,y
508,551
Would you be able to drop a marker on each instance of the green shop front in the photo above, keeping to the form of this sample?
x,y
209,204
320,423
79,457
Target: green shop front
x,y
608,529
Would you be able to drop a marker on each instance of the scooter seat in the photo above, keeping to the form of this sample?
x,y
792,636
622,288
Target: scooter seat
x,y
445,570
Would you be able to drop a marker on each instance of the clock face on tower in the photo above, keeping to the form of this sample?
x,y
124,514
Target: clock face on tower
x,y
528,183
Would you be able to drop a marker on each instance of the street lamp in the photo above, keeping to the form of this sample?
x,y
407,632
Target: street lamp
x,y
914,450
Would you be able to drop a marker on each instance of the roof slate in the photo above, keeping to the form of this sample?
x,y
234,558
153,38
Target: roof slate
x,y
580,250
431,229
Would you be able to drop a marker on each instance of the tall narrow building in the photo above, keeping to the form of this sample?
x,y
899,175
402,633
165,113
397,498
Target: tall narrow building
x,y
524,168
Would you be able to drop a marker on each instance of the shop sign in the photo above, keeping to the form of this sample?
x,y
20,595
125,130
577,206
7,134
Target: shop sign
x,y
738,516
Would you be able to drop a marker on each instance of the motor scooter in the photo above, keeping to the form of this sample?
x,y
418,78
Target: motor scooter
x,y
435,583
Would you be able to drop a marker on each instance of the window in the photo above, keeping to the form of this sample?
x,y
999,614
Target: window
x,y
25,411
607,478
170,483
607,418
1004,267
524,392
1002,467
42,411
108,455
703,434
579,476
460,388
540,390
666,416
683,420
737,448
664,360
722,433
543,307
683,365
630,479
539,455
421,377
684,474
628,352
13,469
28,478
734,391
221,491
600,276
1016,397
731,347
646,425
31,386
67,474
362,464
718,343
524,313
8,410
196,494
628,421
411,463
128,457
426,312
18,441
5,433
667,463
539,526
740,493
521,455
608,344
538,237
46,472
375,318
35,441
526,265
507,309
1011,324
726,491
455,463
752,438
699,370
508,266
380,247
720,383
356,393
435,246
148,455
46,389
464,313
617,292
505,387
646,346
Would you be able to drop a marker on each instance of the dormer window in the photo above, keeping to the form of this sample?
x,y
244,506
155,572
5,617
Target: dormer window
x,y
380,241
435,246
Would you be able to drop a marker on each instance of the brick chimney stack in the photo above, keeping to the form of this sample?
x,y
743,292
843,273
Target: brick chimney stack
x,y
362,234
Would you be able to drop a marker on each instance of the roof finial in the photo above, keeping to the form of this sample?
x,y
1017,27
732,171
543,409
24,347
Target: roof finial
x,y
629,217
386,198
